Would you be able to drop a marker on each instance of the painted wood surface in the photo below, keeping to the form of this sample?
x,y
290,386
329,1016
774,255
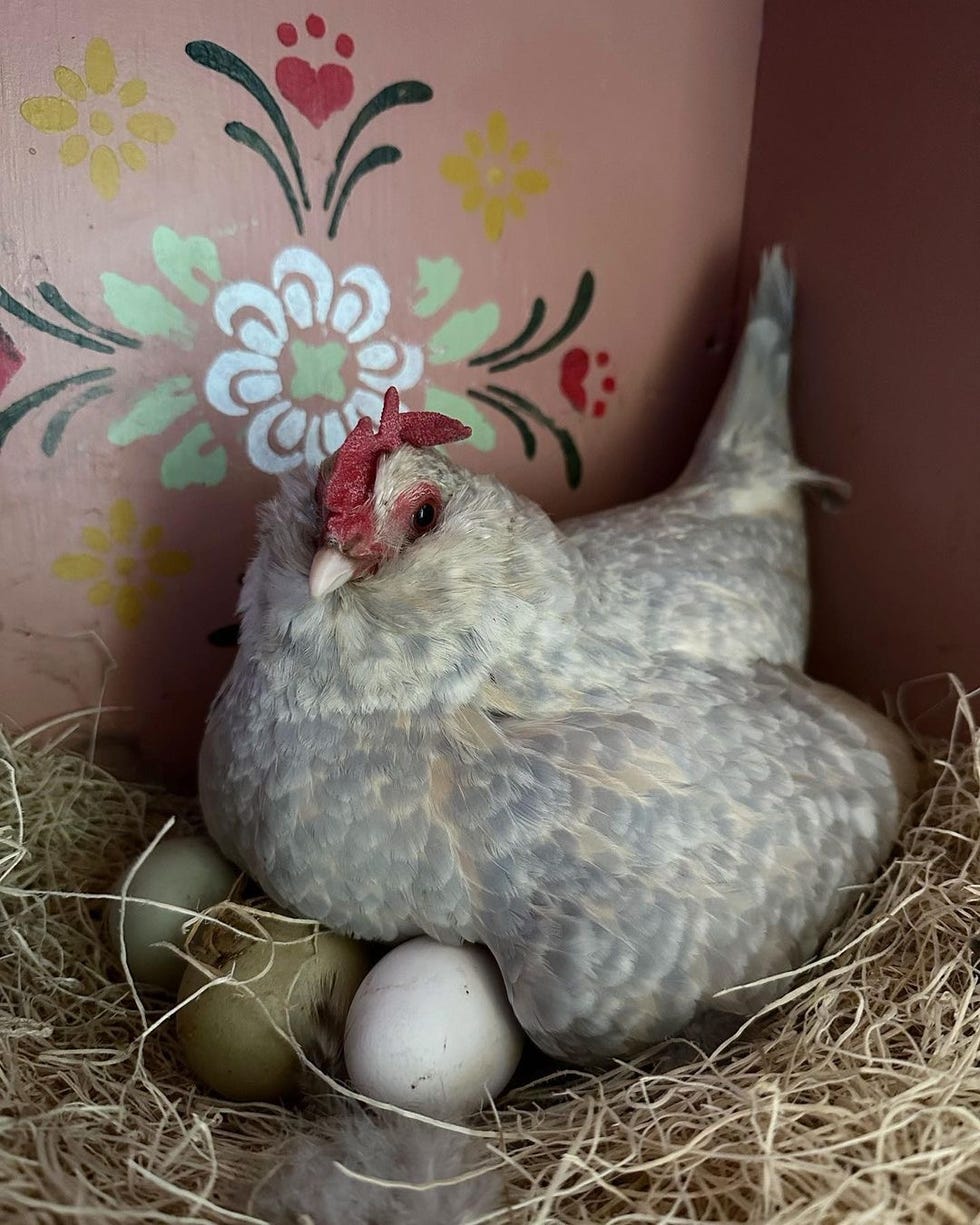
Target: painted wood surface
x,y
866,157
226,228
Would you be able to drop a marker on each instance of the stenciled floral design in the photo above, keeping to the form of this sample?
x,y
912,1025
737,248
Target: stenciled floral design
x,y
297,353
338,187
311,349
312,357
92,109
493,175
191,266
123,564
95,383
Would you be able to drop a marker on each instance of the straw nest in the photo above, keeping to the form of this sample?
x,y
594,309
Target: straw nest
x,y
856,1098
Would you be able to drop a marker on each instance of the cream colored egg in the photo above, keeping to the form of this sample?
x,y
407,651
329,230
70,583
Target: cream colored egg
x,y
288,976
431,1030
190,873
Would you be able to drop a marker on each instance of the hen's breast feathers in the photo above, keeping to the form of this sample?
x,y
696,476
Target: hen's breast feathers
x,y
623,862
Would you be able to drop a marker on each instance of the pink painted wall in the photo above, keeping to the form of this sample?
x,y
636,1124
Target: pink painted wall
x,y
866,158
177,322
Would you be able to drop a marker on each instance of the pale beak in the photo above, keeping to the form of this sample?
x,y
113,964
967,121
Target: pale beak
x,y
330,570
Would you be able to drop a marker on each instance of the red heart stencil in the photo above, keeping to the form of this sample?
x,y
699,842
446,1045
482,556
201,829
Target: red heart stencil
x,y
11,359
315,92
574,368
574,380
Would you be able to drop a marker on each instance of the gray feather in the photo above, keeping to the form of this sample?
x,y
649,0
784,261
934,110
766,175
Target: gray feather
x,y
307,1177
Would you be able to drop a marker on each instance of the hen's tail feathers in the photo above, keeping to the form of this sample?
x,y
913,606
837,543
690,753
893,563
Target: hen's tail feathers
x,y
356,1175
749,426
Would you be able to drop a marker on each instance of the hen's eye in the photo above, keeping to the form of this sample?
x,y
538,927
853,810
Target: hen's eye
x,y
424,517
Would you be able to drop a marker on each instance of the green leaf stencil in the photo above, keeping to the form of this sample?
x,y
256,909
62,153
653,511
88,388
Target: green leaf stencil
x,y
438,281
187,465
144,310
154,411
464,333
179,258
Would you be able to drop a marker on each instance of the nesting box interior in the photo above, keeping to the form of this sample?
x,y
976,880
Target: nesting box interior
x,y
582,193
224,231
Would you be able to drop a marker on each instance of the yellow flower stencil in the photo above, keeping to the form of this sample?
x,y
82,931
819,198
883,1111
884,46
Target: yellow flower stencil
x,y
123,576
85,101
493,175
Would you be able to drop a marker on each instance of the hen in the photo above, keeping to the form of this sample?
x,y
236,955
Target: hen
x,y
589,747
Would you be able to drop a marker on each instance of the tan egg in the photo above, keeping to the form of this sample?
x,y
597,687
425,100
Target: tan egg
x,y
190,873
289,976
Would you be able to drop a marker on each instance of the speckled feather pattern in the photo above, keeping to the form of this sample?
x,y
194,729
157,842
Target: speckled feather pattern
x,y
308,1184
588,746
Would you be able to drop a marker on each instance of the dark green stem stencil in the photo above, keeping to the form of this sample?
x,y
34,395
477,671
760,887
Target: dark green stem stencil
x,y
54,299
535,319
384,155
579,309
20,408
525,431
219,59
248,137
56,426
25,315
573,461
402,93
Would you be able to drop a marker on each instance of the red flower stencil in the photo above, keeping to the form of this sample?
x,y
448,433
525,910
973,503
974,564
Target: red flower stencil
x,y
585,394
315,92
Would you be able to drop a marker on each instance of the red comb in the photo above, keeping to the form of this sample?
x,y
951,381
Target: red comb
x,y
356,462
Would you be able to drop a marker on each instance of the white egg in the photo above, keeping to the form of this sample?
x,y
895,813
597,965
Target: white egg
x,y
431,1030
187,872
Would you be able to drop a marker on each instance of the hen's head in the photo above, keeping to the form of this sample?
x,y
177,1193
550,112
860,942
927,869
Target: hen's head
x,y
400,578
363,523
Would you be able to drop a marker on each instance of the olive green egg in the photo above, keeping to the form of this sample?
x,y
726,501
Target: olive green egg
x,y
284,974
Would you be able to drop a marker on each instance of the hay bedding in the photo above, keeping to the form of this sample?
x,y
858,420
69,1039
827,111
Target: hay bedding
x,y
856,1099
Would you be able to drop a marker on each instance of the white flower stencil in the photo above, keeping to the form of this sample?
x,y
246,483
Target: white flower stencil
x,y
309,360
